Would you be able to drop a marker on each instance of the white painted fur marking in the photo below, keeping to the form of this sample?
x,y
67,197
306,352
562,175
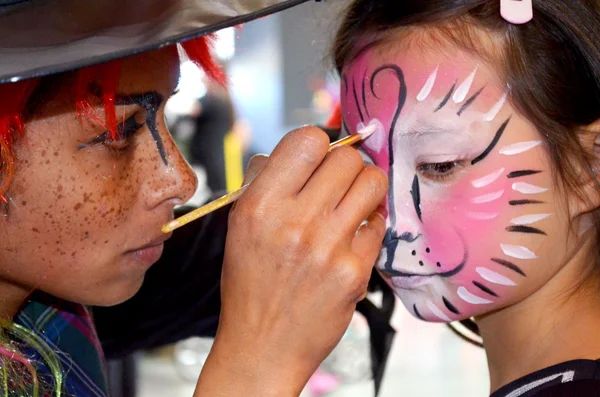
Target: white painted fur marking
x,y
517,251
527,188
487,198
481,216
437,312
428,86
529,219
464,88
487,180
468,297
519,148
491,115
494,277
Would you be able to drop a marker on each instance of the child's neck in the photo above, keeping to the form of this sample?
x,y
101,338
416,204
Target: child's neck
x,y
557,323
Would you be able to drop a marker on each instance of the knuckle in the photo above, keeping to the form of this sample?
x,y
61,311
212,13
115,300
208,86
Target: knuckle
x,y
311,141
378,180
294,240
348,159
354,280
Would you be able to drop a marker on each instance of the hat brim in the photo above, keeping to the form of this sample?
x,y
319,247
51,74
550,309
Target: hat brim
x,y
39,38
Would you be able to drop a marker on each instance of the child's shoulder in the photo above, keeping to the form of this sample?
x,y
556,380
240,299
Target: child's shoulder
x,y
573,378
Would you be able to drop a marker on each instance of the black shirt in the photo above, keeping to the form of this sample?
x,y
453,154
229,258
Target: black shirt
x,y
578,378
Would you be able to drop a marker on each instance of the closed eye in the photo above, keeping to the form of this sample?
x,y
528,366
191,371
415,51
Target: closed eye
x,y
125,131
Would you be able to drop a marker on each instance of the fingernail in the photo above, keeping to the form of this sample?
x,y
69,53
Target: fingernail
x,y
382,211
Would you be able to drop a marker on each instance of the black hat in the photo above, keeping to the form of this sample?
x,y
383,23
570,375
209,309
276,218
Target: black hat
x,y
41,37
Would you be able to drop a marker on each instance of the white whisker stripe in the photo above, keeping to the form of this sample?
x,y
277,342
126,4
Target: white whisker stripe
x,y
487,180
491,115
428,86
464,88
529,219
437,312
519,148
494,277
481,216
468,297
487,198
517,251
527,188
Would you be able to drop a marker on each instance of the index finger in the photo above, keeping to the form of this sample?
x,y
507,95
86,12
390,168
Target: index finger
x,y
293,162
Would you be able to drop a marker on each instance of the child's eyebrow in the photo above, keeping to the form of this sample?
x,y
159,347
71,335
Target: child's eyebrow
x,y
426,130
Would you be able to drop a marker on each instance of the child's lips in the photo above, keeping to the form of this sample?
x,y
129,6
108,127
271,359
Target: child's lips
x,y
409,282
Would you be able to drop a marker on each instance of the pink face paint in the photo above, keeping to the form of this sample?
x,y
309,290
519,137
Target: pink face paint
x,y
448,250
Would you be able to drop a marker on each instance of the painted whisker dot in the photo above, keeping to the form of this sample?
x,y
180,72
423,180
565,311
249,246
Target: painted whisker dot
x,y
414,253
421,263
427,250
439,264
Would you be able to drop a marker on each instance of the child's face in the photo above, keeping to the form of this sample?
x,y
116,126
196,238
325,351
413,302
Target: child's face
x,y
475,220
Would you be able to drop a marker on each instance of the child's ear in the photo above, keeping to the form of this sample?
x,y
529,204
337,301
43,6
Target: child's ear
x,y
590,187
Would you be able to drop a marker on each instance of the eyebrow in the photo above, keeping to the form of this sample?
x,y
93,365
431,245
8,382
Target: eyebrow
x,y
426,130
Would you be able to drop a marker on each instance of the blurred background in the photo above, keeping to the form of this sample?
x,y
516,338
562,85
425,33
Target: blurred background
x,y
280,78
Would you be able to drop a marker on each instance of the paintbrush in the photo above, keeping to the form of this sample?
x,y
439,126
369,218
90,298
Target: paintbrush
x,y
234,196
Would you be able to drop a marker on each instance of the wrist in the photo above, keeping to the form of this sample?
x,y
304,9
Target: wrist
x,y
231,371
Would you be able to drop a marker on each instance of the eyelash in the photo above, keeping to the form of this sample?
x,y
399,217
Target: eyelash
x,y
440,172
125,131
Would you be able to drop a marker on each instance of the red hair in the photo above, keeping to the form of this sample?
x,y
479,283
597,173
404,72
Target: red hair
x,y
15,96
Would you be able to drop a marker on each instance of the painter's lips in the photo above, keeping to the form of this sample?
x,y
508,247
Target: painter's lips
x,y
150,253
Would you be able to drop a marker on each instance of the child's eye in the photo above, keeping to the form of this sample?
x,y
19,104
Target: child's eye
x,y
439,171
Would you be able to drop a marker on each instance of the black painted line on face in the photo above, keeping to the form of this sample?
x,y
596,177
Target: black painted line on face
x,y
518,174
525,229
446,98
493,144
417,312
364,95
409,237
469,102
416,196
509,265
151,102
391,243
402,93
485,289
356,101
450,306
524,202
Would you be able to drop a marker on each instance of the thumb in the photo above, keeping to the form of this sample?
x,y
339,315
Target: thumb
x,y
256,164
368,240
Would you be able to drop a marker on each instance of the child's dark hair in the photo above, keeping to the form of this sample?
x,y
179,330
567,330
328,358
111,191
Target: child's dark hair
x,y
551,66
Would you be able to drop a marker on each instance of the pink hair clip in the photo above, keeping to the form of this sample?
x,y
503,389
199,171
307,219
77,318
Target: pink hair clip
x,y
517,11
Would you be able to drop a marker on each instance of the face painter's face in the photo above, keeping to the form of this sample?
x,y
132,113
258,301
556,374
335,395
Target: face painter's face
x,y
475,221
85,215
